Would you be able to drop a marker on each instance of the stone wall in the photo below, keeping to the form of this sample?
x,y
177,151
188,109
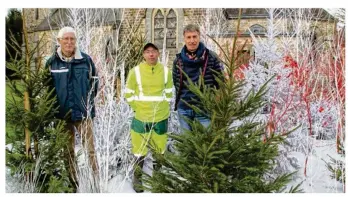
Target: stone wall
x,y
134,17
34,16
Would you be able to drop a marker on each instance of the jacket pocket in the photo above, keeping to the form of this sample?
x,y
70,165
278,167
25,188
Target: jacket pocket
x,y
60,77
81,88
60,80
81,79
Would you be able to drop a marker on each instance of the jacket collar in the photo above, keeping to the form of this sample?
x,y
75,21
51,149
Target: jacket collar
x,y
77,56
149,67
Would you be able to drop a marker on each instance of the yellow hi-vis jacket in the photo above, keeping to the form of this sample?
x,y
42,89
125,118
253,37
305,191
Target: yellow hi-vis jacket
x,y
149,90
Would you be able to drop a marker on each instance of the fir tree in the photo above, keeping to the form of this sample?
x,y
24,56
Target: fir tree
x,y
231,155
35,138
14,31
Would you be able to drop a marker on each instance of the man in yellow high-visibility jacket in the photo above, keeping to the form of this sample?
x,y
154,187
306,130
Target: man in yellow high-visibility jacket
x,y
149,91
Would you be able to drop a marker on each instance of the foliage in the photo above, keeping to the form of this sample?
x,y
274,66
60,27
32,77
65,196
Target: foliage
x,y
46,133
337,168
14,38
225,157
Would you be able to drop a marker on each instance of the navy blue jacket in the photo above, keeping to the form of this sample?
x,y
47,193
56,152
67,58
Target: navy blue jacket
x,y
194,68
72,82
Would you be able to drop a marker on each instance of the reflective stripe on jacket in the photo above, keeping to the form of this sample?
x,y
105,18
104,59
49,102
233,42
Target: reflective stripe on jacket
x,y
72,82
149,90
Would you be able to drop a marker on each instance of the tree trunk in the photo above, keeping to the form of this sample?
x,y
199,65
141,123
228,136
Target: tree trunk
x,y
26,93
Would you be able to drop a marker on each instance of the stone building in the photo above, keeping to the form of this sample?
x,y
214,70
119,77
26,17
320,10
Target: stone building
x,y
164,26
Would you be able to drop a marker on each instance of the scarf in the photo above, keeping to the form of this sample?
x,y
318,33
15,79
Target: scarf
x,y
192,60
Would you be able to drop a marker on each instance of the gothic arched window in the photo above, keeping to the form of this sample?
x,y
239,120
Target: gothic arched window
x,y
171,29
159,28
165,28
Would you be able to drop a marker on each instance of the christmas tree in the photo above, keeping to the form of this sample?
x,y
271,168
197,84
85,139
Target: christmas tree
x,y
35,138
232,155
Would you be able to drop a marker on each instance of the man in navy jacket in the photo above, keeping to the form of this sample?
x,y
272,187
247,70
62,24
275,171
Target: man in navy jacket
x,y
194,59
74,79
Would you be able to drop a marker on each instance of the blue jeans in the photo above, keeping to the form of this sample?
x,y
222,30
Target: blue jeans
x,y
191,115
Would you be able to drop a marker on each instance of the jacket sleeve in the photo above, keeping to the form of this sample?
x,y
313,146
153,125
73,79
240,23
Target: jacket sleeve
x,y
130,89
169,87
174,73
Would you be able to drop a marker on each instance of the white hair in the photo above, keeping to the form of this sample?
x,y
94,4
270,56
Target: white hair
x,y
65,30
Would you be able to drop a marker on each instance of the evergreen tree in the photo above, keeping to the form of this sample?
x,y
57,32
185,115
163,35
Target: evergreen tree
x,y
231,155
35,138
14,38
